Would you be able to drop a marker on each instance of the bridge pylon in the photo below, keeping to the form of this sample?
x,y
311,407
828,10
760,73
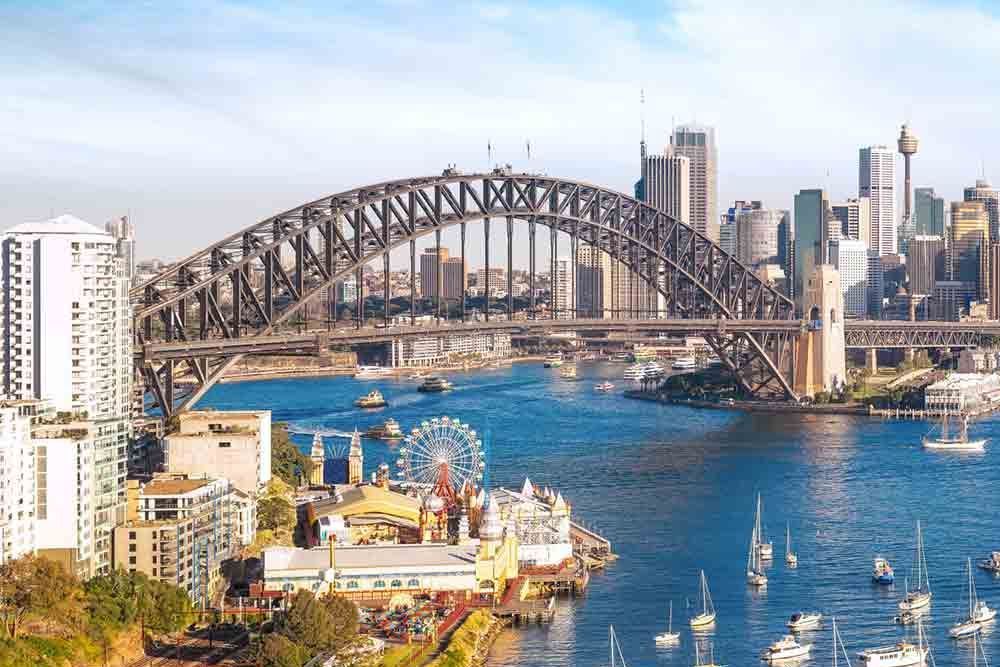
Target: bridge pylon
x,y
820,358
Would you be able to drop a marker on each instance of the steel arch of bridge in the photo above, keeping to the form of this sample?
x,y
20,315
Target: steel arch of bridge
x,y
243,287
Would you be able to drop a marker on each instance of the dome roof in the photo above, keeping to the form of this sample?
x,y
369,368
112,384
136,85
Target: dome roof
x,y
63,224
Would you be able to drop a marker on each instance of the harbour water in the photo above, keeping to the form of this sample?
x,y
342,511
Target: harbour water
x,y
673,489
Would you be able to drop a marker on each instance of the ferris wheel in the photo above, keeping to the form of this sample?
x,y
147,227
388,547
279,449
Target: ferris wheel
x,y
442,447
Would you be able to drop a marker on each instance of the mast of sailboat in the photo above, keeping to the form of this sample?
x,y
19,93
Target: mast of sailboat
x,y
972,589
788,538
704,594
670,619
834,641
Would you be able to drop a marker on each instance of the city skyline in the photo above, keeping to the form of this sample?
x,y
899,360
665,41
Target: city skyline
x,y
141,124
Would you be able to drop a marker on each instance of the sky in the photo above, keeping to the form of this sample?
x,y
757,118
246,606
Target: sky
x,y
201,118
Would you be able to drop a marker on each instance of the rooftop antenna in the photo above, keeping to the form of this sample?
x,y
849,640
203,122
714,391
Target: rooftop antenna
x,y
527,145
489,154
642,123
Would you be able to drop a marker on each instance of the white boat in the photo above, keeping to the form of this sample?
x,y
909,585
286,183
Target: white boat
x,y
785,648
991,564
802,620
958,443
920,596
707,616
371,372
765,549
635,372
568,372
553,361
604,387
711,657
684,364
669,637
755,572
791,559
652,370
979,612
902,654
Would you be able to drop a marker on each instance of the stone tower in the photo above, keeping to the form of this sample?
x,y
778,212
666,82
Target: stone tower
x,y
820,360
318,458
355,460
490,530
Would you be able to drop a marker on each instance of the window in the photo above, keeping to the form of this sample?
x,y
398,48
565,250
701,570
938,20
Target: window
x,y
352,584
131,560
131,534
380,584
225,444
131,548
396,583
413,583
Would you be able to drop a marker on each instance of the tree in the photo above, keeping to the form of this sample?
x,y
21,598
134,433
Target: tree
x,y
273,512
343,619
165,608
287,462
112,601
279,651
308,623
37,587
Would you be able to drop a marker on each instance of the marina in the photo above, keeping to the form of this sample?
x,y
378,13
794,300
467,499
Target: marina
x,y
647,479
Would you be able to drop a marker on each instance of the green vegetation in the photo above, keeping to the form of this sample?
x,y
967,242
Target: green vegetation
x,y
275,526
311,626
273,512
287,462
465,642
50,618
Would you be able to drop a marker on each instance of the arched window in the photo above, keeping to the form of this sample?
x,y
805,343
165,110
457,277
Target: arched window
x,y
413,583
352,584
336,584
379,584
396,583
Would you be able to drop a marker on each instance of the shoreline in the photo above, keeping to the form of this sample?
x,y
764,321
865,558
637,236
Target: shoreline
x,y
852,409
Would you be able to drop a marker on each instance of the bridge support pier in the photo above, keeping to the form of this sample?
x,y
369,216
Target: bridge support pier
x,y
910,354
871,360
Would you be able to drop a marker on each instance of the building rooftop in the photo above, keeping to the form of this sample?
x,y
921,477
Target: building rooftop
x,y
63,224
371,500
380,556
963,381
173,487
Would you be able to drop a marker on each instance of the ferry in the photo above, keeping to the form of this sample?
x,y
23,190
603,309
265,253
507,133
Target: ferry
x,y
553,361
882,572
991,564
785,648
372,399
635,372
685,364
371,372
621,357
802,620
652,370
389,430
435,384
902,654
604,387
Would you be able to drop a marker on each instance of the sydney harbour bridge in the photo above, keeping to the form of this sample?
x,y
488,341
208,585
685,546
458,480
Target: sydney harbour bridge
x,y
245,294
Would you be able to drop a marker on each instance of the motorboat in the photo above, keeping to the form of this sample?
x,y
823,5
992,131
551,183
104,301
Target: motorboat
x,y
920,596
706,618
882,572
804,620
371,372
902,654
957,443
791,559
553,361
786,648
568,372
979,612
389,430
652,370
635,372
755,571
991,564
669,637
435,384
685,364
604,387
418,376
372,399
909,617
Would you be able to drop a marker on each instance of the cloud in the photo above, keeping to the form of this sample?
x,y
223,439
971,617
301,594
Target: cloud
x,y
205,117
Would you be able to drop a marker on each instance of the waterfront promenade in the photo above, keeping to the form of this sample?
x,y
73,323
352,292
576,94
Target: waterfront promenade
x,y
672,488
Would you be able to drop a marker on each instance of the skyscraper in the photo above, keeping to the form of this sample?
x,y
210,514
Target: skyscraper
x,y
855,218
995,281
850,258
786,253
124,232
453,279
757,235
926,263
728,235
928,213
984,192
877,181
68,340
968,252
562,288
666,183
18,476
593,282
697,143
431,264
811,219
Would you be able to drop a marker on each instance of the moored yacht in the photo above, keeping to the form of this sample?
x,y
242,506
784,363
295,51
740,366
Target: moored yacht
x,y
918,597
706,618
685,364
991,564
955,443
882,572
902,654
802,620
978,614
786,648
669,637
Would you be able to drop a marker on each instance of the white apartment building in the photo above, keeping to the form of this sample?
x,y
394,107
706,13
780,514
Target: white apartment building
x,y
562,288
667,185
850,258
17,479
434,350
877,181
68,341
697,143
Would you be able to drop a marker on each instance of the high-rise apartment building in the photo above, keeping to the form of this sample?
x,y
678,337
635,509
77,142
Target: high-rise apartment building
x,y
757,235
453,283
928,213
855,218
124,232
850,258
667,185
431,263
697,144
990,196
995,281
562,288
968,252
497,283
18,477
727,235
812,216
926,264
593,282
68,340
876,285
877,181
786,253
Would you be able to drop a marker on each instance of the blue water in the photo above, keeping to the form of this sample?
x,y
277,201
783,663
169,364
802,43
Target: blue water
x,y
673,489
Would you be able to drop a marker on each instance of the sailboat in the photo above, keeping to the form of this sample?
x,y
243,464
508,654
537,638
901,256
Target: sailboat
x,y
669,637
982,651
843,649
790,558
958,443
755,572
711,657
707,616
766,549
919,597
979,612
614,649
